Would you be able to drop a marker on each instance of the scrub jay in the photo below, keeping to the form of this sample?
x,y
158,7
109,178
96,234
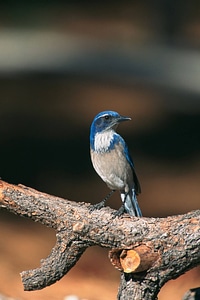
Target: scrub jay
x,y
112,161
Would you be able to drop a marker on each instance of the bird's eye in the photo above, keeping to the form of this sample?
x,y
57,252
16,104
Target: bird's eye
x,y
103,120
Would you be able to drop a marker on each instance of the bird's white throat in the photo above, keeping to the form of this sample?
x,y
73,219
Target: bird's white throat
x,y
103,141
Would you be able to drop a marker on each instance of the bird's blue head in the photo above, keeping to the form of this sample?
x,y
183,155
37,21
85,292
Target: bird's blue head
x,y
104,121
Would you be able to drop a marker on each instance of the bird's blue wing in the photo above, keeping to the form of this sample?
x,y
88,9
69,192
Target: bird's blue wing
x,y
127,154
129,159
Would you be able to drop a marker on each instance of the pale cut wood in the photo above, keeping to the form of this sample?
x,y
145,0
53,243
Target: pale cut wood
x,y
165,247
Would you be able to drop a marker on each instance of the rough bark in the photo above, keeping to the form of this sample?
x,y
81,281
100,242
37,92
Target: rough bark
x,y
154,249
193,294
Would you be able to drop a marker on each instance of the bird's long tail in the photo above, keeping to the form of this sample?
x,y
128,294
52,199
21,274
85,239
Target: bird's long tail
x,y
131,204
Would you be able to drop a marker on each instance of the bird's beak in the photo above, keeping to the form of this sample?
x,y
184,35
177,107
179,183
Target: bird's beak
x,y
122,119
118,120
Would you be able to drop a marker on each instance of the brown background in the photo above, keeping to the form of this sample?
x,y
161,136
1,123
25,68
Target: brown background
x,y
48,98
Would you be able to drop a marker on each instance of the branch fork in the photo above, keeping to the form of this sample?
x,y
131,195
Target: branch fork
x,y
154,249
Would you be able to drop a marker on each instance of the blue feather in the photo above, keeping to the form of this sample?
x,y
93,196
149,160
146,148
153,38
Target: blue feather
x,y
112,161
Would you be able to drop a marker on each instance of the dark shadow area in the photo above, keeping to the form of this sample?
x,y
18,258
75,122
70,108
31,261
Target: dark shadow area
x,y
61,63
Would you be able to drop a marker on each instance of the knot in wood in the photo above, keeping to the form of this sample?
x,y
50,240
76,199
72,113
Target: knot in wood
x,y
78,227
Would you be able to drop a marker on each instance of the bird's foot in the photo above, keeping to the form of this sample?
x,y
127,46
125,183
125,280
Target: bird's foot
x,y
119,212
101,204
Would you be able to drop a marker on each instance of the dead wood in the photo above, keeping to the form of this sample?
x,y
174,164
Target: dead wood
x,y
148,251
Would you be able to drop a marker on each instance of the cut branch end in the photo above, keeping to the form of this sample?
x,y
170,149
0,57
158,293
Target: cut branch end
x,y
138,259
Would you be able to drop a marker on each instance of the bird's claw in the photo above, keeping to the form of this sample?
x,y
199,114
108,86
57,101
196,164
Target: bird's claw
x,y
119,212
98,206
101,204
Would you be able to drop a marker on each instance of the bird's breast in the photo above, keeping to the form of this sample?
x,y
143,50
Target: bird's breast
x,y
103,141
113,168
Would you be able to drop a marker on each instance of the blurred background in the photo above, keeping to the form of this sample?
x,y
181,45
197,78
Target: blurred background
x,y
62,62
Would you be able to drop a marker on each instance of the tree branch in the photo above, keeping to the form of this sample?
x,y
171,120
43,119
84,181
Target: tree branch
x,y
150,250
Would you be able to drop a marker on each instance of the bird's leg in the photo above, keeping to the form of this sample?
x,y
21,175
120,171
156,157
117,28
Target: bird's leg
x,y
103,202
120,211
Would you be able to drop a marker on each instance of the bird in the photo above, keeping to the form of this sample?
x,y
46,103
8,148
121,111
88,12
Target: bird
x,y
112,161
